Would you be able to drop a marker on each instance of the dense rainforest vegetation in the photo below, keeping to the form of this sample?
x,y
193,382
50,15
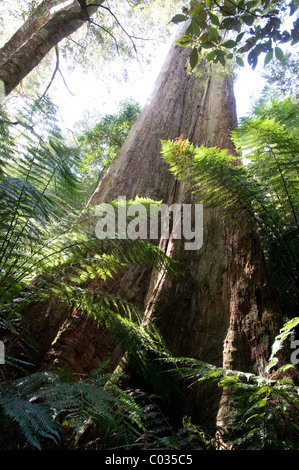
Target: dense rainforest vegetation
x,y
49,248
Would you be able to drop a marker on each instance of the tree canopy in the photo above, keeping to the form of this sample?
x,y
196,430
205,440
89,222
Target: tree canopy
x,y
230,29
87,33
100,144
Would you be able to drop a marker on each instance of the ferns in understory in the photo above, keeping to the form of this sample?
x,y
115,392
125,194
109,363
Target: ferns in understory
x,y
265,409
48,246
50,407
262,192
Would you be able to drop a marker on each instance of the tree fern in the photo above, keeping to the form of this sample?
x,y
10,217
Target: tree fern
x,y
49,247
47,243
262,192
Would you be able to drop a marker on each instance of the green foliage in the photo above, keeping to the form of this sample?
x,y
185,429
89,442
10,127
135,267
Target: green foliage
x,y
264,189
188,437
33,423
286,331
281,110
100,145
265,408
228,29
36,168
52,408
283,75
49,247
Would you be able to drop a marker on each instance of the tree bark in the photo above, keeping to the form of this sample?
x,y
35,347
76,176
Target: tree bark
x,y
222,308
37,36
36,20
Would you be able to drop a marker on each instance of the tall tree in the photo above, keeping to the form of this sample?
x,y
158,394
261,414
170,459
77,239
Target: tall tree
x,y
222,308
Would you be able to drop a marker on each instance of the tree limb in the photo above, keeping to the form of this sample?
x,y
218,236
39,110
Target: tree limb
x,y
118,22
35,46
54,73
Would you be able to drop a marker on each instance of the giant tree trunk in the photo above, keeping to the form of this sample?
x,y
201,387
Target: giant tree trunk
x,y
222,308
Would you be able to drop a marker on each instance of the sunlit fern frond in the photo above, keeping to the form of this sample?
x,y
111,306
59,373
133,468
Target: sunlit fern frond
x,y
261,193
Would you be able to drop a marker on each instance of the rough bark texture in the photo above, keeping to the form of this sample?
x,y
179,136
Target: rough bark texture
x,y
222,308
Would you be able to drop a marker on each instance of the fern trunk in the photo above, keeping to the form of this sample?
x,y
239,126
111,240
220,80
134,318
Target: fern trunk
x,y
222,308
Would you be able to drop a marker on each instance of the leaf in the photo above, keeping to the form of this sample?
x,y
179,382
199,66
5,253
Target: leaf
x,y
178,19
248,19
221,57
229,8
269,57
226,23
207,45
247,46
214,19
279,53
211,56
252,58
194,57
262,403
201,19
194,28
293,6
285,36
240,61
198,10
285,368
229,44
240,36
213,32
184,41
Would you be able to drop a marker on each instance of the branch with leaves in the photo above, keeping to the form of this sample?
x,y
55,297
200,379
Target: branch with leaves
x,y
227,29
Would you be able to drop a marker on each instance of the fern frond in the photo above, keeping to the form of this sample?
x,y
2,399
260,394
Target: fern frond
x,y
33,421
262,193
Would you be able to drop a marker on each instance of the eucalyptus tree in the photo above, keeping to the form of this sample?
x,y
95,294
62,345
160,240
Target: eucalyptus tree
x,y
222,307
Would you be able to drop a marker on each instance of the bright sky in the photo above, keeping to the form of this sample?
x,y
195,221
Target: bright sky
x,y
91,95
248,87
